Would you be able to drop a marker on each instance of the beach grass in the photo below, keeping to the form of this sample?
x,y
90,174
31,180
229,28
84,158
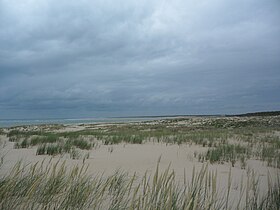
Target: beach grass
x,y
54,186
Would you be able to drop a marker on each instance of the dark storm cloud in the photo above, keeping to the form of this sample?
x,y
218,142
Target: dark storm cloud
x,y
80,58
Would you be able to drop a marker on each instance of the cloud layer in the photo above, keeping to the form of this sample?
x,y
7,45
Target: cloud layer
x,y
116,58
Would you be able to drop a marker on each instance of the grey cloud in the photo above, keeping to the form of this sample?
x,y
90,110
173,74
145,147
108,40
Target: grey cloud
x,y
66,58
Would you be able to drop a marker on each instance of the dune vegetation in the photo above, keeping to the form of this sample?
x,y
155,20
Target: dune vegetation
x,y
230,140
56,187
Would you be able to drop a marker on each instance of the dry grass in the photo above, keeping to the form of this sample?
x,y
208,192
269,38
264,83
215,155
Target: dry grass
x,y
56,187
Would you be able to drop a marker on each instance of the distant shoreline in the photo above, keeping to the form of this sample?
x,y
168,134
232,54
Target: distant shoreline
x,y
4,123
263,113
20,122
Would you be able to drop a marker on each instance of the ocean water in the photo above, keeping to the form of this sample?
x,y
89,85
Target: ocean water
x,y
18,122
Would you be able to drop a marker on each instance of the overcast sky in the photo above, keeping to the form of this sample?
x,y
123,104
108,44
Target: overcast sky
x,y
99,58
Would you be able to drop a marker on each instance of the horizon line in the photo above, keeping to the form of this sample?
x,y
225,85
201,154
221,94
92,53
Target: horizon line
x,y
277,112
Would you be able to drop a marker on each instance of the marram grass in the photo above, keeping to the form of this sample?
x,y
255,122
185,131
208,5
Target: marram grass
x,y
54,186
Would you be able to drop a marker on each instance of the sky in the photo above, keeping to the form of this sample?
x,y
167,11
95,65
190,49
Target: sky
x,y
104,58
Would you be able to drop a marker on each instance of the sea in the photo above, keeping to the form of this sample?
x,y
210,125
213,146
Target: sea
x,y
5,123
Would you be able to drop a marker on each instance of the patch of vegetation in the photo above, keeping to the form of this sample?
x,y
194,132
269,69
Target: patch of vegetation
x,y
227,153
47,138
23,144
270,155
68,146
80,143
41,150
50,149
